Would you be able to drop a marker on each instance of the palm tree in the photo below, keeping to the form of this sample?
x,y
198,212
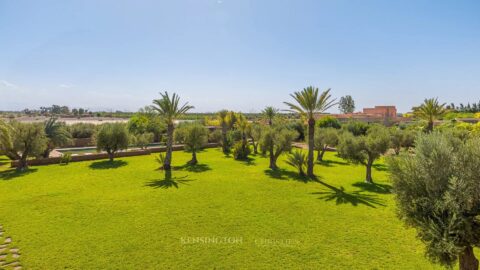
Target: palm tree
x,y
298,160
243,125
309,102
57,135
430,110
269,113
224,124
169,108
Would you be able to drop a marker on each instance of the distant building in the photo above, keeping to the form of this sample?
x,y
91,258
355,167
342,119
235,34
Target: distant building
x,y
379,114
384,111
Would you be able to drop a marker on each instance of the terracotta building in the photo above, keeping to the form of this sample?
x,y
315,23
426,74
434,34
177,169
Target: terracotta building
x,y
379,114
384,111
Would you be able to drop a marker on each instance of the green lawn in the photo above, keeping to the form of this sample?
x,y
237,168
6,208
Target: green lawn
x,y
89,215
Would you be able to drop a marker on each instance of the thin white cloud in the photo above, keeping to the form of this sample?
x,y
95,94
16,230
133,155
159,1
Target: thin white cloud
x,y
65,85
8,84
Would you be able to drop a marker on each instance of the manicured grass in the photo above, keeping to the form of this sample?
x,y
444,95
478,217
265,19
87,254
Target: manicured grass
x,y
91,215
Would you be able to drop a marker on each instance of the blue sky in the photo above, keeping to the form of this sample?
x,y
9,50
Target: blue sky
x,y
236,54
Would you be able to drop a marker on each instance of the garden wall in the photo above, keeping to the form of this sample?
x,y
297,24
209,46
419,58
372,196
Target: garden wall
x,y
96,156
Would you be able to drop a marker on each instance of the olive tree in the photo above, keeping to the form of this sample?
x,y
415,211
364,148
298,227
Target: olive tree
x,y
438,193
401,138
275,141
19,141
194,137
325,137
254,132
111,138
364,149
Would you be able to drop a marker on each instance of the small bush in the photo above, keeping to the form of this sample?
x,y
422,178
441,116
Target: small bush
x,y
66,158
161,160
241,151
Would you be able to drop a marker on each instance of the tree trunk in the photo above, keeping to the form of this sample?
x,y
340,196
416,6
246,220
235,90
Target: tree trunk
x,y
255,147
23,164
368,178
273,160
111,155
468,260
311,144
168,156
46,153
430,126
321,153
194,160
225,140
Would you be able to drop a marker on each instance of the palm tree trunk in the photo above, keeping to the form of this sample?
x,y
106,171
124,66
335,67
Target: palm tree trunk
x,y
311,144
430,126
468,260
168,156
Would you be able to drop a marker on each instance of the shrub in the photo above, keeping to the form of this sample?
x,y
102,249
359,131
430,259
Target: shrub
x,y
329,122
298,159
82,130
66,158
240,151
215,136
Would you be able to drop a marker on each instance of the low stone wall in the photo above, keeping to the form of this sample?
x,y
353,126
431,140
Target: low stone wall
x,y
97,156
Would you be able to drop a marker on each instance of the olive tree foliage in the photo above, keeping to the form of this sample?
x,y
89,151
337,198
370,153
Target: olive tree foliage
x,y
276,140
329,122
57,135
357,128
346,104
194,136
324,138
438,193
6,140
401,139
111,138
147,121
254,132
364,149
19,141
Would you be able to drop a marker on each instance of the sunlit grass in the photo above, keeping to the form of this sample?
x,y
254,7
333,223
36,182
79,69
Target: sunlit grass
x,y
129,215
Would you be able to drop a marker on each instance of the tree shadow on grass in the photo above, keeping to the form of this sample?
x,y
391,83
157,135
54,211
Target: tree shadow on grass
x,y
13,173
197,168
107,164
168,181
331,163
374,187
247,161
340,196
282,174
